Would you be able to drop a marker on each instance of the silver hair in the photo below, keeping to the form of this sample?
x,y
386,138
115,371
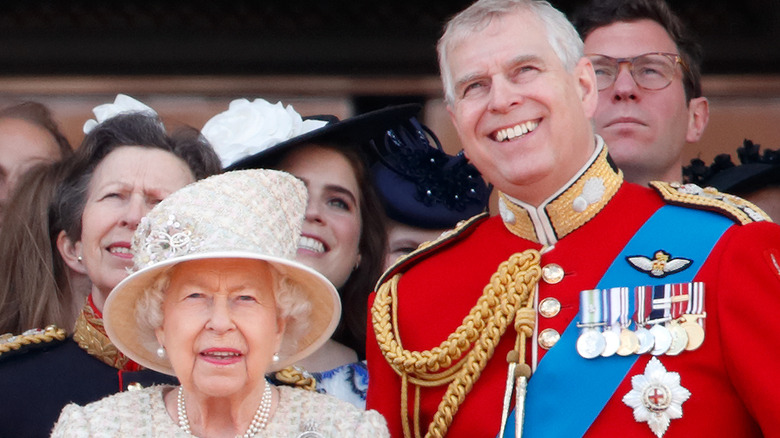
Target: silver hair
x,y
292,305
561,35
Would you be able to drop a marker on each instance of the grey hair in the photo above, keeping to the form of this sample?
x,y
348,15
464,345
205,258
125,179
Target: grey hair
x,y
292,305
561,35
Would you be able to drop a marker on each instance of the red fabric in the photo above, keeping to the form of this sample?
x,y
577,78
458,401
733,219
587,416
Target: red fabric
x,y
732,377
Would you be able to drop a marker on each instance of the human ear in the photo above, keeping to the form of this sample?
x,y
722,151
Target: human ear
x,y
586,81
70,252
698,116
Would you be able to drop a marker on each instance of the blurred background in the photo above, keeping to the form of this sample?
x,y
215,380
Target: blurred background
x,y
188,59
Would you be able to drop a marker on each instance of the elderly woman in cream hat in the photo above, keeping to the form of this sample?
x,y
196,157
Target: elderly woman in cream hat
x,y
217,300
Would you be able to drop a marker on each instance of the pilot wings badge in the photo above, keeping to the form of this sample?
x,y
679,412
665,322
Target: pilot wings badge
x,y
661,265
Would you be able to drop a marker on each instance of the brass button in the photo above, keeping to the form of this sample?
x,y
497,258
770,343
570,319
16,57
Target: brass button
x,y
548,337
549,307
552,273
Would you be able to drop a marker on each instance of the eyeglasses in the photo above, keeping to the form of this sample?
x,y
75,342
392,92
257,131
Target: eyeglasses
x,y
651,71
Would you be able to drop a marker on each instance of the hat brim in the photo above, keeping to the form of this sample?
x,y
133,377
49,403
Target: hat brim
x,y
350,131
744,178
119,312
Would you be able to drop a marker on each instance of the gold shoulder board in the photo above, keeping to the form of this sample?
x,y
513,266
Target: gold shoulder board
x,y
693,196
33,337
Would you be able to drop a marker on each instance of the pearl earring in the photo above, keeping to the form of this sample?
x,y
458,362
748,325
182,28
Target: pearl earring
x,y
276,357
79,258
161,352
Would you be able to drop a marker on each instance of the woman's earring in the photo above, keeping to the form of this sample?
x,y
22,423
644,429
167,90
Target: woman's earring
x,y
161,352
79,258
276,357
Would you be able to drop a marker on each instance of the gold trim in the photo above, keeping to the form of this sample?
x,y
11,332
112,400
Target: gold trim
x,y
459,360
560,212
51,333
91,336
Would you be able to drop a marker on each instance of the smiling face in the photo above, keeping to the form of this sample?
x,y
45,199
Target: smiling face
x,y
220,327
645,130
522,118
126,184
332,226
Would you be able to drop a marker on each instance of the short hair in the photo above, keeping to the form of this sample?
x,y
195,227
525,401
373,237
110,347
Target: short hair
x,y
135,129
561,35
291,305
39,115
600,13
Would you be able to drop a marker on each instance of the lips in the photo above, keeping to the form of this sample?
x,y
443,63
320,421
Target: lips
x,y
624,120
512,132
221,356
121,249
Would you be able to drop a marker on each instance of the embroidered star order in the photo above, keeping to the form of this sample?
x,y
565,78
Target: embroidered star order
x,y
656,397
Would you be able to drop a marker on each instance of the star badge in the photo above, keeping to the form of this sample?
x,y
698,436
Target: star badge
x,y
656,397
661,265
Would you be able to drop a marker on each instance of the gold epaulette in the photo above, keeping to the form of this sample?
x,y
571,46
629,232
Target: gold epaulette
x,y
296,377
444,238
693,196
33,337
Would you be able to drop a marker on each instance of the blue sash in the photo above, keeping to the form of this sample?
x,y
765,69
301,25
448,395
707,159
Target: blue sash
x,y
567,392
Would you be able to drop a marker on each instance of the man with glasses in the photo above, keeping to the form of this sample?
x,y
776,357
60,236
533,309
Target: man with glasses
x,y
548,304
647,69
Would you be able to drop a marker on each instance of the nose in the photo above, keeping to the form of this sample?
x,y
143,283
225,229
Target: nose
x,y
624,88
314,212
220,320
502,96
136,209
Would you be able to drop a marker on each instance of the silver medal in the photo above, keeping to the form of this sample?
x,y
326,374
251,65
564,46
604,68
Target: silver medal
x,y
663,339
679,339
591,343
646,340
611,343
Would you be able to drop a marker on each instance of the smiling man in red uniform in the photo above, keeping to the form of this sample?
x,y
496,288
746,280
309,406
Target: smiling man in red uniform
x,y
639,311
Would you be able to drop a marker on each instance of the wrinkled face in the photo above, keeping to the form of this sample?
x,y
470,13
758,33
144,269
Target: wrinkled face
x,y
22,145
645,130
522,118
403,239
125,186
220,327
332,227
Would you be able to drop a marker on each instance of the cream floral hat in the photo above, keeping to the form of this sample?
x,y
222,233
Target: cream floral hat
x,y
251,214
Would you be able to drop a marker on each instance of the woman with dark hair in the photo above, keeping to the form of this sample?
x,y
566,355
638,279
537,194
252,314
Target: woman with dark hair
x,y
126,164
343,234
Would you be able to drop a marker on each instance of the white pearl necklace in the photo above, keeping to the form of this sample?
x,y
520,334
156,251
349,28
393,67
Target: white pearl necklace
x,y
259,421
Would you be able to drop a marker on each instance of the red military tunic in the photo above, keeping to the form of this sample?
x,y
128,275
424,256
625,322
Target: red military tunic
x,y
732,377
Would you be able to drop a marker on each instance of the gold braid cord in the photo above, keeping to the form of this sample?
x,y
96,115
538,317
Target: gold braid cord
x,y
460,359
294,376
36,336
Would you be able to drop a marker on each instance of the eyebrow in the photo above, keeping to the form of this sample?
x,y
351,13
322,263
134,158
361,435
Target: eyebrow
x,y
521,59
343,190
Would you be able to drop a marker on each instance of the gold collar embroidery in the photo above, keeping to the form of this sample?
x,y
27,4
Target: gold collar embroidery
x,y
90,335
570,208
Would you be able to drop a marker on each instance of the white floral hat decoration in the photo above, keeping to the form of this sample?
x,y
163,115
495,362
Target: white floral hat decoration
x,y
247,128
251,214
250,135
123,104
